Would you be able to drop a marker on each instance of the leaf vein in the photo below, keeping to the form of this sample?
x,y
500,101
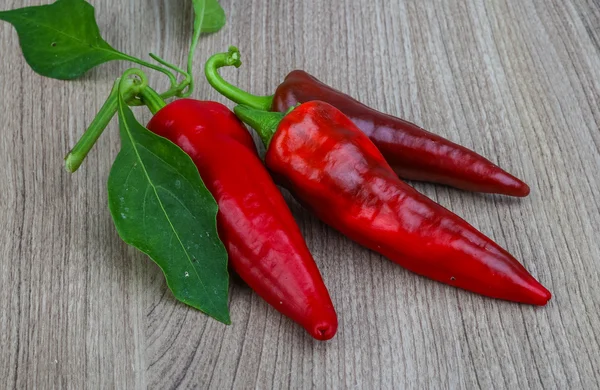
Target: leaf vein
x,y
133,144
194,186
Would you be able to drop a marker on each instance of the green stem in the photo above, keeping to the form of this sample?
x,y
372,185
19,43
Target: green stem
x,y
199,9
152,99
265,123
168,65
170,75
232,58
131,89
176,90
76,156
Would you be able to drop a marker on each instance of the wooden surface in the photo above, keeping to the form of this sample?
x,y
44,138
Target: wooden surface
x,y
518,81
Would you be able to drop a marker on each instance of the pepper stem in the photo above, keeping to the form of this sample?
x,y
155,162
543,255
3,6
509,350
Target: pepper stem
x,y
152,99
233,58
265,123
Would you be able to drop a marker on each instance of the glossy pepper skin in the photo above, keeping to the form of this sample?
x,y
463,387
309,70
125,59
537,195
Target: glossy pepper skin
x,y
264,243
333,168
412,152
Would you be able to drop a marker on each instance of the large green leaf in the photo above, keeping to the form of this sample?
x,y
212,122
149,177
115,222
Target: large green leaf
x,y
61,40
160,205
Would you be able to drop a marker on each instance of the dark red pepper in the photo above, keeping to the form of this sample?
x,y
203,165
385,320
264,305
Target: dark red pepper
x,y
264,243
333,168
413,153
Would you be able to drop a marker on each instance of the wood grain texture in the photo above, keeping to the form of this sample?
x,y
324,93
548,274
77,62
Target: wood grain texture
x,y
518,81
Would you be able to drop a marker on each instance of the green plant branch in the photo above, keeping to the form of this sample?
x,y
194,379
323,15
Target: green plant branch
x,y
130,88
198,21
167,72
76,156
176,90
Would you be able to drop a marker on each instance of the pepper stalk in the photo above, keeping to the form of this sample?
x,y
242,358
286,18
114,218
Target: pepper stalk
x,y
233,93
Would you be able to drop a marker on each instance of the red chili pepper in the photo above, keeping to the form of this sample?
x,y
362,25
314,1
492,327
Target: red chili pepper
x,y
264,243
413,153
337,172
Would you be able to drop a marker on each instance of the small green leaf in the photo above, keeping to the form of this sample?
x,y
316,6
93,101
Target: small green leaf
x,y
210,16
160,205
61,40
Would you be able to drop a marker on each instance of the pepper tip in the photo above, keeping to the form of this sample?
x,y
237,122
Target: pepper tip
x,y
539,295
323,331
523,190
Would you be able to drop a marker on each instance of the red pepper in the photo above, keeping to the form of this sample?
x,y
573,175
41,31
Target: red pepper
x,y
264,243
337,172
413,153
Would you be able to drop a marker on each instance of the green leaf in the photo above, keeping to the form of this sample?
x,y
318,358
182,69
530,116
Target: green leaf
x,y
61,40
210,16
160,205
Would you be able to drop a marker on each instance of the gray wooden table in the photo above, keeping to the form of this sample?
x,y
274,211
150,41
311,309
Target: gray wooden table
x,y
518,81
